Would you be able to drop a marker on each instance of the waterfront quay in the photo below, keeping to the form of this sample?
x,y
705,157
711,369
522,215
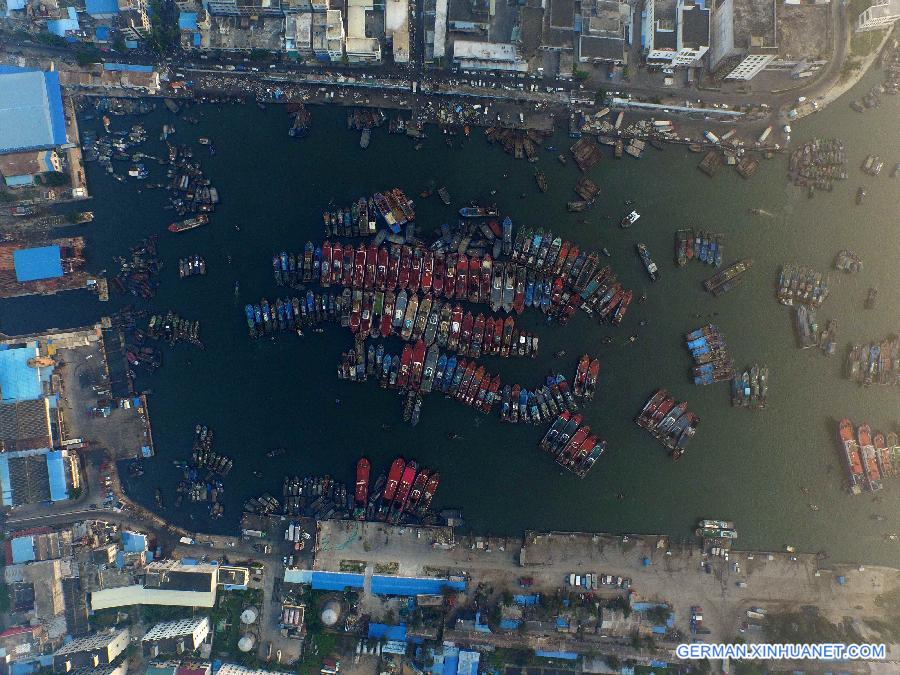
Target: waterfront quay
x,y
660,572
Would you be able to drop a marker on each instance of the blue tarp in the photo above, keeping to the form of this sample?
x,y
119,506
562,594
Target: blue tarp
x,y
131,44
37,263
451,660
130,67
196,39
19,181
22,549
526,599
646,606
187,20
568,656
4,481
59,27
380,631
382,585
56,471
509,624
101,7
19,382
132,542
101,33
562,622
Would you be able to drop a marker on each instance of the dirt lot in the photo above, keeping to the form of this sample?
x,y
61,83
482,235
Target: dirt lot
x,y
804,32
670,574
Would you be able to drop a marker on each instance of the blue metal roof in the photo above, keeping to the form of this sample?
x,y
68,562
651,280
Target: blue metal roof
x,y
509,624
101,33
101,7
19,382
56,471
22,549
526,599
187,20
378,631
37,263
5,485
382,585
60,27
134,542
31,110
130,67
568,656
19,181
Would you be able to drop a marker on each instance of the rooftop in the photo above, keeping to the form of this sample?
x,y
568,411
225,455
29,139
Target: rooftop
x,y
169,629
694,25
19,381
95,641
25,425
755,26
31,110
33,264
562,14
664,30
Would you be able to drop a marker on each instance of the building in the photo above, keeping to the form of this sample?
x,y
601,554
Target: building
x,y
133,21
37,545
19,644
604,27
175,667
26,425
163,582
21,168
396,25
880,14
334,34
360,45
99,649
676,32
32,124
175,637
744,37
472,55
234,669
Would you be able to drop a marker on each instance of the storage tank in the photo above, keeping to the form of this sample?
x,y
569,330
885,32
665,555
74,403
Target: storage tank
x,y
246,643
331,613
249,615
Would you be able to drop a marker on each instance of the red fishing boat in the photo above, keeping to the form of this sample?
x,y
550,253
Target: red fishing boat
x,y
497,343
477,337
405,364
472,390
415,270
418,489
393,480
622,308
456,319
561,258
450,277
387,313
428,272
359,267
428,494
393,267
405,263
371,265
381,269
439,273
365,323
465,333
488,341
363,467
418,361
325,277
348,265
492,394
403,489
462,273
570,260
474,290
590,382
487,270
581,375
571,448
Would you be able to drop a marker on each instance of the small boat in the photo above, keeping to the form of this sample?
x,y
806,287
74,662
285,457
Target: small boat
x,y
629,219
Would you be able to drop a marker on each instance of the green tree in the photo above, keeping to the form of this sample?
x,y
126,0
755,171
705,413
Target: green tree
x,y
5,601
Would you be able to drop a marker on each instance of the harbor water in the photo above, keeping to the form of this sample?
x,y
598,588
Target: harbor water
x,y
765,470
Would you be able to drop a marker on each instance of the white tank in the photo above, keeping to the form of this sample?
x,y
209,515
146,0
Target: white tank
x,y
331,613
249,615
246,643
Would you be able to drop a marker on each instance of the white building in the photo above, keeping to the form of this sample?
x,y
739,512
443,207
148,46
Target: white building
x,y
99,649
880,14
163,582
473,55
334,34
676,32
175,637
359,48
396,27
747,29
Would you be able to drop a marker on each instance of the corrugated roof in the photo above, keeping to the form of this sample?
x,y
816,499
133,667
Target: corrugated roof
x,y
31,112
101,7
382,585
22,549
33,264
19,382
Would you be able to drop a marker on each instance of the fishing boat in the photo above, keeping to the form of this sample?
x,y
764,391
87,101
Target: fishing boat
x,y
479,212
444,194
649,265
361,494
870,462
417,490
189,224
428,493
629,219
509,287
393,481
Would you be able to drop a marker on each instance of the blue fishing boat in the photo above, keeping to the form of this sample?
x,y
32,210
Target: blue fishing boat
x,y
276,267
439,371
310,303
448,374
523,405
288,312
317,263
251,319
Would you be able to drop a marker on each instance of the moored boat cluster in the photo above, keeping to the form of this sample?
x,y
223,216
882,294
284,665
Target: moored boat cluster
x,y
203,474
699,245
669,421
817,164
708,348
875,362
750,389
802,285
138,276
868,458
173,329
848,261
729,278
543,404
572,444
191,266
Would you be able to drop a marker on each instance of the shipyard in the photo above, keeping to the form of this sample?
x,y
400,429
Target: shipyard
x,y
451,338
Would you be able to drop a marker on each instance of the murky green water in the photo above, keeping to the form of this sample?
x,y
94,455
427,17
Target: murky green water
x,y
746,466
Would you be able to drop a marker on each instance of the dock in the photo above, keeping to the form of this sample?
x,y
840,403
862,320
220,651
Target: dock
x,y
710,163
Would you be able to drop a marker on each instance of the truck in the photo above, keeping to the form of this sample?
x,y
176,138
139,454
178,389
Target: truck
x,y
187,540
